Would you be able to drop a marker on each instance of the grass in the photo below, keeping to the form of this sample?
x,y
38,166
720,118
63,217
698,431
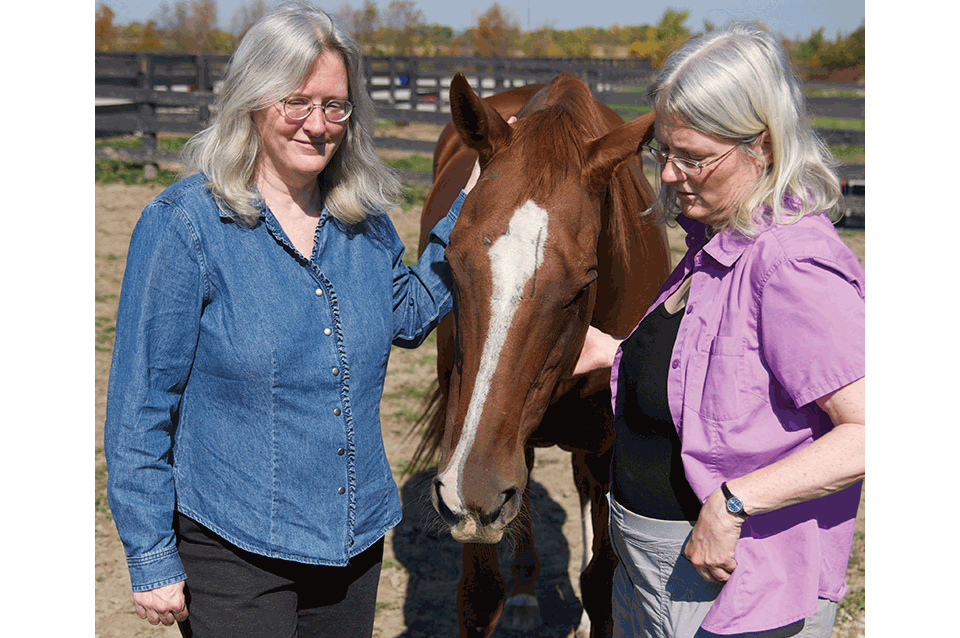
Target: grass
x,y
842,123
415,162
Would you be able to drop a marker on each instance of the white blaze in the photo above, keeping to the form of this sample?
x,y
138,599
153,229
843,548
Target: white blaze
x,y
514,260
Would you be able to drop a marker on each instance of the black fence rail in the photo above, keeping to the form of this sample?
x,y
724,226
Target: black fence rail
x,y
150,93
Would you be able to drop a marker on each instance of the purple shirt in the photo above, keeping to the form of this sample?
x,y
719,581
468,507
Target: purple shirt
x,y
771,324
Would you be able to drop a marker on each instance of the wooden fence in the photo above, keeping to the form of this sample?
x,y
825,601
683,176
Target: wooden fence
x,y
146,94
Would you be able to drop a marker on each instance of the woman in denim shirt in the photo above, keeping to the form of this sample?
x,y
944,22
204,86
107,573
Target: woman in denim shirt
x,y
262,294
739,398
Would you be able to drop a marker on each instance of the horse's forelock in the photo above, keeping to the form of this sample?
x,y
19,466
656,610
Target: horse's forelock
x,y
563,118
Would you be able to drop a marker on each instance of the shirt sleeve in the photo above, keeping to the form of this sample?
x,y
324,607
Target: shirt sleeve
x,y
812,326
158,322
423,294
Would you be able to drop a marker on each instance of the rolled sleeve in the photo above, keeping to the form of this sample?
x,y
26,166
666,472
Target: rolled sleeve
x,y
423,294
812,326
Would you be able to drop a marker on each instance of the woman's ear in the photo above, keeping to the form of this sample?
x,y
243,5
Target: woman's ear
x,y
766,148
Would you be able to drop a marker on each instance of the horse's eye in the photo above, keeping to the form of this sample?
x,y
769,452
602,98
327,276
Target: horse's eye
x,y
591,277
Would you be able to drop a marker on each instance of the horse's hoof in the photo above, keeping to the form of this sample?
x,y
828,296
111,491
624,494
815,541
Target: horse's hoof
x,y
521,613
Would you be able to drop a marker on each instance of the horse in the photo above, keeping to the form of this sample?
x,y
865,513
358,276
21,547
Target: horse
x,y
551,239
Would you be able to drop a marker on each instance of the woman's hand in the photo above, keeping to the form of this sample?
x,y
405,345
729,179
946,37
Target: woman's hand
x,y
162,605
475,174
597,353
714,539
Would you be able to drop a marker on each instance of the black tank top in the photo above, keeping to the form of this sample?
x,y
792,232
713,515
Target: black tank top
x,y
648,476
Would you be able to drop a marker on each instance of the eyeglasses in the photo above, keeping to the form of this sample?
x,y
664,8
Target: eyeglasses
x,y
300,108
688,166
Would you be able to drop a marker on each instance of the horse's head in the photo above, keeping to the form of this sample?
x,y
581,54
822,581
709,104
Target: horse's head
x,y
525,260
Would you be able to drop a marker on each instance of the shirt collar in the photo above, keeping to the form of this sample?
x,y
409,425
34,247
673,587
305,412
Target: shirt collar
x,y
725,248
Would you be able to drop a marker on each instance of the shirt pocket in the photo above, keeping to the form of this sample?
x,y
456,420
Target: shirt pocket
x,y
721,361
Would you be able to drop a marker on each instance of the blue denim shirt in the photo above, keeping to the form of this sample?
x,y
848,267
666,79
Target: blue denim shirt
x,y
246,381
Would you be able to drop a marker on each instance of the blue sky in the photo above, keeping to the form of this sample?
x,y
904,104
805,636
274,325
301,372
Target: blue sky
x,y
792,18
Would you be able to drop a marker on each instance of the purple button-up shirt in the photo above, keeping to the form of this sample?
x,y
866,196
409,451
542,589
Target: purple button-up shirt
x,y
771,324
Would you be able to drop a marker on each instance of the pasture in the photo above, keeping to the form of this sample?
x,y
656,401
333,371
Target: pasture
x,y
422,564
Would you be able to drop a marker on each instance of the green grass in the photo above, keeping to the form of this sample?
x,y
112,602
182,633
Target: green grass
x,y
164,142
844,123
129,173
415,162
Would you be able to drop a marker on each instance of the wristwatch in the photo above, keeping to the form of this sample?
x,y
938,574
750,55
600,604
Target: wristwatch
x,y
734,504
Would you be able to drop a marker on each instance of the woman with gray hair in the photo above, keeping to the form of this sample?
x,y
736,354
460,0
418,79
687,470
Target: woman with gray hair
x,y
739,398
262,294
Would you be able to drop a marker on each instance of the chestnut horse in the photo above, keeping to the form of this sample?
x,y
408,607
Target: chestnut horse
x,y
551,240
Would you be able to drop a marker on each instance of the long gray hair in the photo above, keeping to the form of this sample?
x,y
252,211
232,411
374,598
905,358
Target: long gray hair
x,y
272,60
733,84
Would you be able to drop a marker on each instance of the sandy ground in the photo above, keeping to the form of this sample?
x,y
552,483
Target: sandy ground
x,y
421,567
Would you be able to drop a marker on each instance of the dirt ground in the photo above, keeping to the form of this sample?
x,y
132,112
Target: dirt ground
x,y
421,566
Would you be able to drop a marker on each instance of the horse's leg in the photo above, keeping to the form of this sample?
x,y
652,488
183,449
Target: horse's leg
x,y
481,591
584,483
591,473
522,611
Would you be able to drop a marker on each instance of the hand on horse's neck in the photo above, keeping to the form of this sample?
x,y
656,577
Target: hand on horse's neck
x,y
296,209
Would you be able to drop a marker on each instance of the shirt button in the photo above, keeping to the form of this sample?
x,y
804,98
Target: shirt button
x,y
410,302
336,412
675,364
689,309
342,490
335,371
327,331
341,452
318,292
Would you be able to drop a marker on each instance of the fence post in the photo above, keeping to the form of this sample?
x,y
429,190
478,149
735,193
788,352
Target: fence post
x,y
392,79
203,84
413,74
147,111
498,73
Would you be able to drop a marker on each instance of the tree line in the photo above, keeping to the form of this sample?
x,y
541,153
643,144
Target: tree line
x,y
401,28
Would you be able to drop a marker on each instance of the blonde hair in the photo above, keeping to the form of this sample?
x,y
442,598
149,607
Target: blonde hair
x,y
734,84
272,60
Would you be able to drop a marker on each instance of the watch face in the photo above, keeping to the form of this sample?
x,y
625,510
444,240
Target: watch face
x,y
734,505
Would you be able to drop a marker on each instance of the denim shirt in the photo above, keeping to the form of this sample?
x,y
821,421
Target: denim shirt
x,y
770,325
246,381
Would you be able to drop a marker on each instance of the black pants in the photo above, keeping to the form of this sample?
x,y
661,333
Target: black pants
x,y
232,593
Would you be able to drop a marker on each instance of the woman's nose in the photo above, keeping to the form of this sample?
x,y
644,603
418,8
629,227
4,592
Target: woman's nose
x,y
315,122
670,174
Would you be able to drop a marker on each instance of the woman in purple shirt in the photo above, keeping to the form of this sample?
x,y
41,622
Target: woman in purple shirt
x,y
739,398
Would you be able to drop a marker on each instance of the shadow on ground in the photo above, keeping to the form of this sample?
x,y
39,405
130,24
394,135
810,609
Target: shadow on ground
x,y
432,560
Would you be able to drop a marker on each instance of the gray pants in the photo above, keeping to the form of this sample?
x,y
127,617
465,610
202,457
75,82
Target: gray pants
x,y
657,593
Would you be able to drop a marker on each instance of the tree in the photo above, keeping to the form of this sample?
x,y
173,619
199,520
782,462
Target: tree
x,y
106,33
663,38
407,22
497,31
246,15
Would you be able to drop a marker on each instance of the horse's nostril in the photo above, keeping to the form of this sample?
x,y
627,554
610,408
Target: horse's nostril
x,y
507,496
445,512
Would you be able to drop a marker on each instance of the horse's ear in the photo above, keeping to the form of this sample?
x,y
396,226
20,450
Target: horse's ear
x,y
607,153
480,126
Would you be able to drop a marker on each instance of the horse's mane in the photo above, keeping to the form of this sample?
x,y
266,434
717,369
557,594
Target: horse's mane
x,y
565,113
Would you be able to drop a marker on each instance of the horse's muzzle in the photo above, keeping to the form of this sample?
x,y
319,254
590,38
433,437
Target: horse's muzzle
x,y
472,525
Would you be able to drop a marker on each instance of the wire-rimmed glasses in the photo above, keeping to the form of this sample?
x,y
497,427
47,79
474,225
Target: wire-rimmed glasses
x,y
300,108
688,166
